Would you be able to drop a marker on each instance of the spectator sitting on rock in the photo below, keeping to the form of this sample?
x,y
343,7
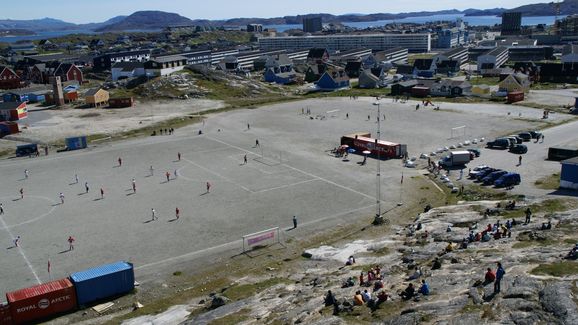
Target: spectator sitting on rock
x,y
485,236
437,264
366,296
377,270
547,226
418,227
377,285
415,275
464,244
449,229
573,253
370,275
382,296
471,237
358,298
514,222
489,228
330,299
489,277
449,247
361,279
408,293
478,237
424,288
497,235
348,283
350,260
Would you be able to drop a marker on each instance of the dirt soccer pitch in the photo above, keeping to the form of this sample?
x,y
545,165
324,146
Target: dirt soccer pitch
x,y
289,173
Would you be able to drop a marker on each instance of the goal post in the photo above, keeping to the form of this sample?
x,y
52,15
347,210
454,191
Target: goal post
x,y
262,238
458,131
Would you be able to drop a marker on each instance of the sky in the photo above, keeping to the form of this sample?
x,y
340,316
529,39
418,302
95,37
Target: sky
x,y
87,11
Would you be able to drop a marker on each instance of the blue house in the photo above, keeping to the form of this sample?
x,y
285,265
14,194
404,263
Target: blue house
x,y
279,70
569,174
332,79
15,96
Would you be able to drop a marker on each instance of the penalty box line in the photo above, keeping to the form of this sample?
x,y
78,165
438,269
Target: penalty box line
x,y
299,170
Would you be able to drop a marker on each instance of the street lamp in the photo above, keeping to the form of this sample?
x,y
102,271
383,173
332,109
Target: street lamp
x,y
378,218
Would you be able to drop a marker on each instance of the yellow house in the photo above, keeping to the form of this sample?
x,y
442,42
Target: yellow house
x,y
96,97
515,82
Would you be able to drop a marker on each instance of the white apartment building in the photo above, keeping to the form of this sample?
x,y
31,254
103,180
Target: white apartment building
x,y
376,42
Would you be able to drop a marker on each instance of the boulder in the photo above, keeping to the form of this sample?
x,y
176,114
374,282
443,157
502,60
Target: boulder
x,y
218,301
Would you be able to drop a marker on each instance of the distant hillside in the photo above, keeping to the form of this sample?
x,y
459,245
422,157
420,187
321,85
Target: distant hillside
x,y
45,24
147,20
93,26
568,7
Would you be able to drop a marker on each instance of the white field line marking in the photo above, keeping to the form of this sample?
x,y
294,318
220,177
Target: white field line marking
x,y
21,251
239,242
285,186
436,185
35,219
218,175
301,171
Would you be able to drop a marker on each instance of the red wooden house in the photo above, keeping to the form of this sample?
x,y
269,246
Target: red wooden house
x,y
68,72
41,72
13,111
9,79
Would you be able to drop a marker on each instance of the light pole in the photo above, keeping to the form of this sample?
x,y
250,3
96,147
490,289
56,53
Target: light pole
x,y
378,218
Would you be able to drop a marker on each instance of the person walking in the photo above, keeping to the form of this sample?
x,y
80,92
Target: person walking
x,y
294,222
244,159
520,160
179,156
1,209
101,193
61,196
500,272
256,142
17,241
119,161
86,187
542,139
528,213
175,173
75,178
26,173
168,176
152,170
154,214
70,243
248,126
21,193
208,187
133,185
346,115
177,213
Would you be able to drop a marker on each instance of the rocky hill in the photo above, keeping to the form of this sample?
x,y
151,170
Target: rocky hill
x,y
147,20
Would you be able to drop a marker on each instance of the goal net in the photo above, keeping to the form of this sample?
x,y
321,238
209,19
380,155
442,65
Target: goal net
x,y
458,132
261,239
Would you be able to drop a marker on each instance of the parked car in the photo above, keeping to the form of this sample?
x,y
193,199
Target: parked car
x,y
509,179
526,136
535,134
490,179
519,149
475,151
515,139
474,172
26,150
500,143
485,173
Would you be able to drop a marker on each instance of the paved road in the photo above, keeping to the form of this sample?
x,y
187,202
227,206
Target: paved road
x,y
290,173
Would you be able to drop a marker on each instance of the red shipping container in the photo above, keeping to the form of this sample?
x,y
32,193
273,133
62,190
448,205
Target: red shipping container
x,y
5,317
515,96
41,301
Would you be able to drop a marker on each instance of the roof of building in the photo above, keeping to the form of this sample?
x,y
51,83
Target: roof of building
x,y
128,66
168,58
63,68
92,91
571,161
406,84
448,63
367,75
405,69
9,105
496,51
455,51
52,57
423,64
353,65
316,53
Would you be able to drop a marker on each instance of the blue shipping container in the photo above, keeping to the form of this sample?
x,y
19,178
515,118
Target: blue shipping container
x,y
75,143
103,282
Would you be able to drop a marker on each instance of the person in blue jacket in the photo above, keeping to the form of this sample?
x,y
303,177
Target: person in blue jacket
x,y
500,272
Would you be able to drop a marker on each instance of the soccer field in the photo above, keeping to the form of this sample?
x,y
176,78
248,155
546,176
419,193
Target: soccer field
x,y
289,173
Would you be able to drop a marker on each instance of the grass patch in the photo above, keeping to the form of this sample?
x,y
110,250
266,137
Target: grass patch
x,y
485,81
551,182
533,243
243,291
558,269
236,318
177,273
